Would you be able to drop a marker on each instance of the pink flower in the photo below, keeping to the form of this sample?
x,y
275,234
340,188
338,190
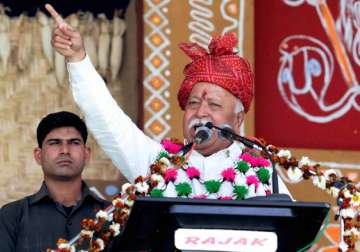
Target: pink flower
x,y
254,161
192,172
170,146
248,158
267,192
252,180
200,196
225,198
170,174
229,174
263,162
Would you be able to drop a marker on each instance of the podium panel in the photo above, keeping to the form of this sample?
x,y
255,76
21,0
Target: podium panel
x,y
153,221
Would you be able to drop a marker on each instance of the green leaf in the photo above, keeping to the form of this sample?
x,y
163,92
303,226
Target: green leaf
x,y
263,175
183,189
255,154
212,186
163,154
156,193
242,166
240,192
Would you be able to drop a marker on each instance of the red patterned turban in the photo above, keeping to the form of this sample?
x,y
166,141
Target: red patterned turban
x,y
220,66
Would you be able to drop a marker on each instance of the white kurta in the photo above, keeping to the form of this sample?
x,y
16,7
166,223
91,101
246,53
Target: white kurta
x,y
131,151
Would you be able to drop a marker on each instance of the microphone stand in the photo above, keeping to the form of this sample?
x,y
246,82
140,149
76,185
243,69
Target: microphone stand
x,y
229,134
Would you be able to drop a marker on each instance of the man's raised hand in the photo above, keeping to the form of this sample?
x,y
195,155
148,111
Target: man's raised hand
x,y
65,39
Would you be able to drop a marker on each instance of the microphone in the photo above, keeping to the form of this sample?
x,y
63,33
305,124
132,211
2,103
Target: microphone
x,y
227,132
202,134
185,149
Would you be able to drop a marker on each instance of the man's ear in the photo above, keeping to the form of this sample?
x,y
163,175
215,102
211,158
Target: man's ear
x,y
87,154
37,155
238,121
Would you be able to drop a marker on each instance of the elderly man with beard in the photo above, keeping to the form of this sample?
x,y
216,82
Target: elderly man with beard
x,y
218,88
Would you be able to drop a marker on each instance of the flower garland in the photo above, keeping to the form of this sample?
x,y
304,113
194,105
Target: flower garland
x,y
171,176
344,190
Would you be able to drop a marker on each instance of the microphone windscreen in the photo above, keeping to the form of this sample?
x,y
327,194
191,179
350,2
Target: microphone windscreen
x,y
202,134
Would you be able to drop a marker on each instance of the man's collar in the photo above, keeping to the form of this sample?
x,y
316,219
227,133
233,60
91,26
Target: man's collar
x,y
44,193
231,151
86,192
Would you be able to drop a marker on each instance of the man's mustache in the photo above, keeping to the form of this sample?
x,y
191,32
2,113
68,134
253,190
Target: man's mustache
x,y
198,121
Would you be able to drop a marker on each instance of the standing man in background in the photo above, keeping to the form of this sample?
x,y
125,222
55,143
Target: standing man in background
x,y
36,222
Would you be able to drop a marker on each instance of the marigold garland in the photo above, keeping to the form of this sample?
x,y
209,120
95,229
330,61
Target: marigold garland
x,y
168,167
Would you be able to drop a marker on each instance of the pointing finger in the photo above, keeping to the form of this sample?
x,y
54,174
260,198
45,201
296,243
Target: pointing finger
x,y
57,17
